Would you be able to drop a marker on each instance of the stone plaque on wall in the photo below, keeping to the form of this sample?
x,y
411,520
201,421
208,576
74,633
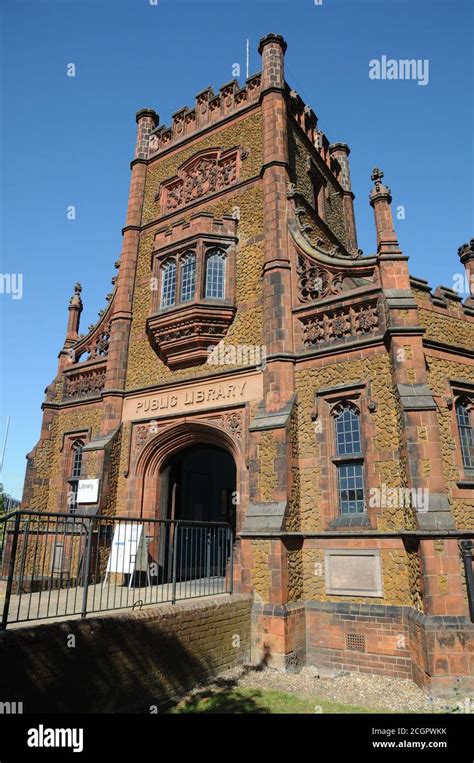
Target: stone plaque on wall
x,y
353,572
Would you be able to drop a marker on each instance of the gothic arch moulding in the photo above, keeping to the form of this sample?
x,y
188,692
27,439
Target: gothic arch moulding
x,y
145,479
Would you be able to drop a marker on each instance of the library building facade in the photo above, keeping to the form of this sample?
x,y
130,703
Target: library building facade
x,y
252,365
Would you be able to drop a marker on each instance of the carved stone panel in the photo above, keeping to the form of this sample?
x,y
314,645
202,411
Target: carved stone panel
x,y
315,282
205,173
88,381
353,572
341,324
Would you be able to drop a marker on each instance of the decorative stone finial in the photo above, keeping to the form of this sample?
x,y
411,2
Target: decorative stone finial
x,y
379,191
380,198
376,175
466,255
76,300
74,316
338,147
146,112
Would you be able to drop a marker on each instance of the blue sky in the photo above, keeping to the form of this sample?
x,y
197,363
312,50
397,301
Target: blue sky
x,y
68,141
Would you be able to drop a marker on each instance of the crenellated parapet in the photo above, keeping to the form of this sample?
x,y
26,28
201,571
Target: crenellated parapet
x,y
304,116
307,120
198,224
209,110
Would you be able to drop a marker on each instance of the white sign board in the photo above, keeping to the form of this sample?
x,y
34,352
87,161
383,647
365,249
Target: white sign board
x,y
88,491
129,549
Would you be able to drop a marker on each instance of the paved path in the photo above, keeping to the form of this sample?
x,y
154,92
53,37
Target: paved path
x,y
66,604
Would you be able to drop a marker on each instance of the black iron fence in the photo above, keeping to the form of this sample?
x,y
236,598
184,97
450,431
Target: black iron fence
x,y
60,565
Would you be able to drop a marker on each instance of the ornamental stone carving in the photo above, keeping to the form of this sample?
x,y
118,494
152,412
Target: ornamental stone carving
x,y
341,324
182,337
205,173
315,282
143,432
232,422
89,381
101,347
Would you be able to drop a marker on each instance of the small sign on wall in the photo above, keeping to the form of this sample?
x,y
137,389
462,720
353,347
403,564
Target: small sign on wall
x,y
88,491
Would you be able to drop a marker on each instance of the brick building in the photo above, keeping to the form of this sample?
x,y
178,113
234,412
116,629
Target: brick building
x,y
335,407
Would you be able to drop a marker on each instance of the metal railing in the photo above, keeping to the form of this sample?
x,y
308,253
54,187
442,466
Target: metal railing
x,y
60,565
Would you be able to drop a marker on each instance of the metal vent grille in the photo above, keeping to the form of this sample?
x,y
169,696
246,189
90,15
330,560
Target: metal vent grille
x,y
355,642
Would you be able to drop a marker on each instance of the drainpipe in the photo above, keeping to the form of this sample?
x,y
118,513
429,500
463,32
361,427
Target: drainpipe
x,y
467,547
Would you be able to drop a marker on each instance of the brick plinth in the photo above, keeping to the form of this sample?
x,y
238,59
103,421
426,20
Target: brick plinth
x,y
359,638
442,650
279,635
400,642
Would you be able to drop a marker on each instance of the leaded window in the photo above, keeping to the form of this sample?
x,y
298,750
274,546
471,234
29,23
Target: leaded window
x,y
466,432
351,488
188,276
76,468
349,464
168,284
348,432
215,274
77,459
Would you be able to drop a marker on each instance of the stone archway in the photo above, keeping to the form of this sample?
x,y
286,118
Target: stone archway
x,y
150,478
201,485
177,449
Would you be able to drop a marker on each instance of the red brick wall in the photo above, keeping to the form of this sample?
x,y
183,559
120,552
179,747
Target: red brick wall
x,y
123,662
380,640
442,652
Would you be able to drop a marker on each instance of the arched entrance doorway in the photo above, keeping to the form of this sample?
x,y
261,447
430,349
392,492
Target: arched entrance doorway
x,y
199,484
197,509
187,479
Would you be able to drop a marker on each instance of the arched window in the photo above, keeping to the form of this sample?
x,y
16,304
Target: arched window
x,y
349,461
464,416
215,274
168,284
347,431
77,459
188,276
76,467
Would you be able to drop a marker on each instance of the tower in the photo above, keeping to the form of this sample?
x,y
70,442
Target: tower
x,y
244,319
